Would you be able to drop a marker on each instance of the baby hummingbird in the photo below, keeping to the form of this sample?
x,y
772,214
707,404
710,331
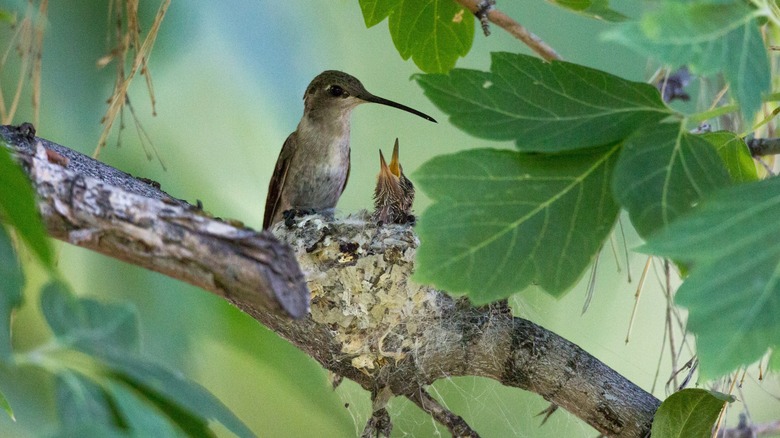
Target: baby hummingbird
x,y
394,193
313,166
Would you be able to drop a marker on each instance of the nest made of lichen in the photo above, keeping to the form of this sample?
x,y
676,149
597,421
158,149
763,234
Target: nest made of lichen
x,y
359,276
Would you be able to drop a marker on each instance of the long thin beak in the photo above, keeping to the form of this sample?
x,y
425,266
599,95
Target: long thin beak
x,y
381,100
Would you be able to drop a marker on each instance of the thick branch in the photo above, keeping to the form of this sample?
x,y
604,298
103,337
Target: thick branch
x,y
368,321
89,204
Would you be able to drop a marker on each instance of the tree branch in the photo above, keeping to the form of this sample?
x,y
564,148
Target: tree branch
x,y
760,147
368,322
88,204
513,27
454,423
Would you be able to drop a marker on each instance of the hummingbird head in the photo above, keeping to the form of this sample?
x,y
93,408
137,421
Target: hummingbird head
x,y
336,91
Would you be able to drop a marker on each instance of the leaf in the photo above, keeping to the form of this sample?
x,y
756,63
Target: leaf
x,y
434,33
709,37
140,416
503,219
90,430
544,107
662,173
735,155
7,17
80,400
10,292
688,413
592,8
6,407
375,11
774,360
17,207
191,423
84,322
732,292
188,398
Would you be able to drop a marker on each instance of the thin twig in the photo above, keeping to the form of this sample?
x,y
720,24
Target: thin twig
x,y
454,423
517,30
760,147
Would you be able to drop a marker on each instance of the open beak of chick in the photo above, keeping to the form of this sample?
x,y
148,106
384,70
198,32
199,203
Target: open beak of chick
x,y
394,193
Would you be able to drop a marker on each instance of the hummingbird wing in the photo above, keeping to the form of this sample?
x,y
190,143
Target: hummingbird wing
x,y
274,199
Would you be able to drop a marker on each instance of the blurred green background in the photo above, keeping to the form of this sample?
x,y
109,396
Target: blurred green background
x,y
228,80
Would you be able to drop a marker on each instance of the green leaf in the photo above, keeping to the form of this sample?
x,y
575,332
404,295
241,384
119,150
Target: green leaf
x,y
6,407
374,11
87,323
7,17
90,430
774,360
709,38
689,413
142,417
190,423
80,400
592,8
735,155
10,292
434,33
503,219
544,107
17,207
184,400
662,173
732,292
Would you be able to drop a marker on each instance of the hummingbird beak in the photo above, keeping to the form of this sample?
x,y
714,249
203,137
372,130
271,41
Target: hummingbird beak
x,y
368,97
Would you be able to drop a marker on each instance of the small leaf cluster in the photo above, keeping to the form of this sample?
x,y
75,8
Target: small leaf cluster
x,y
103,384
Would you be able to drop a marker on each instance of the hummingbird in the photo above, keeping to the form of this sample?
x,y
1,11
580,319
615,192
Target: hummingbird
x,y
313,165
394,193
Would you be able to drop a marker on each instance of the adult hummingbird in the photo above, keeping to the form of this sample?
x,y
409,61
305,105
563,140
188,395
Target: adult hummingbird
x,y
394,193
313,166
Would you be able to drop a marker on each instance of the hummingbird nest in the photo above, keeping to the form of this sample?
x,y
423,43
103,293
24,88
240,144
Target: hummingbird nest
x,y
359,277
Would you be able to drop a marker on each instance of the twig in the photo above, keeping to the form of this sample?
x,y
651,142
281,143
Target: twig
x,y
454,423
760,147
513,27
743,430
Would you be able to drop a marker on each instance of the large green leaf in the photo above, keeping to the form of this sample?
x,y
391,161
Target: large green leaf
x,y
663,172
689,413
434,33
11,283
84,322
709,37
735,155
502,219
17,207
375,11
544,107
732,291
592,8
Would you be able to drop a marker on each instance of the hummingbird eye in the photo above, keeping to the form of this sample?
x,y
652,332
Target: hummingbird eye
x,y
337,91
